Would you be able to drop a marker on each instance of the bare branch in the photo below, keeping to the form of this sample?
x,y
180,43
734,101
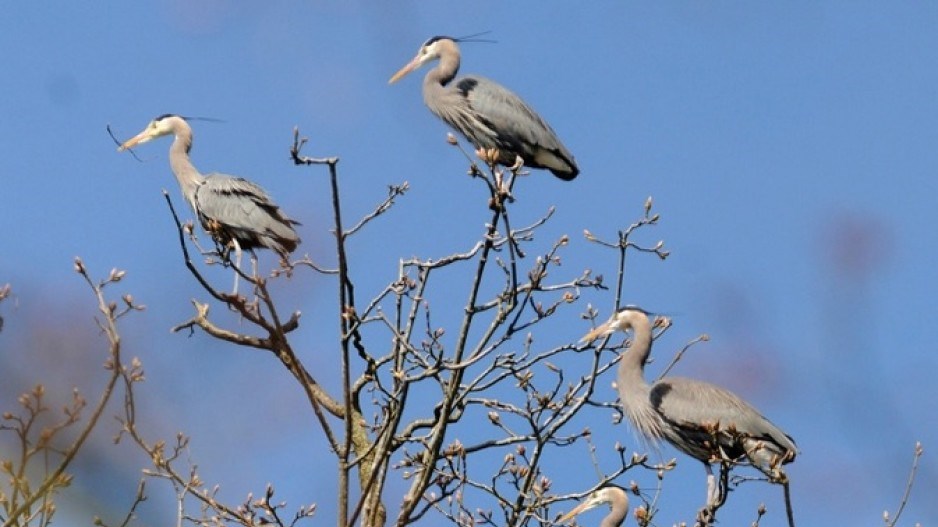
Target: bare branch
x,y
680,354
393,192
916,455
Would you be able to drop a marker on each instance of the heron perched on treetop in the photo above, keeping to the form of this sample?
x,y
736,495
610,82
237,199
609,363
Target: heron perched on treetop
x,y
237,213
702,420
489,115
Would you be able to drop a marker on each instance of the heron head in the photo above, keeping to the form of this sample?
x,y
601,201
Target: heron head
x,y
611,495
163,125
431,50
623,320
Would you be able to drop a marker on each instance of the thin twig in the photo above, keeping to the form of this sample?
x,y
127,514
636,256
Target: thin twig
x,y
394,191
118,143
680,354
185,254
917,454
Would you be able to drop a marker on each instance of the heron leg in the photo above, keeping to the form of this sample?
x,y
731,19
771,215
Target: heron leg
x,y
706,515
713,493
254,269
716,496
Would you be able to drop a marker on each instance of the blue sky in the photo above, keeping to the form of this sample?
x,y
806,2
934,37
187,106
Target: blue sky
x,y
789,148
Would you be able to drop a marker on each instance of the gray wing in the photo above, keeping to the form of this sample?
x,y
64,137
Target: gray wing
x,y
688,406
237,208
516,125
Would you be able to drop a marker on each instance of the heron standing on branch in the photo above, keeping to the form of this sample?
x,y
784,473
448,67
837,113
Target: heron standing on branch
x,y
237,213
611,495
489,115
702,420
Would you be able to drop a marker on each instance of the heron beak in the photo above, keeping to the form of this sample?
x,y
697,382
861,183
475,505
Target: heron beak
x,y
599,331
142,137
411,66
585,506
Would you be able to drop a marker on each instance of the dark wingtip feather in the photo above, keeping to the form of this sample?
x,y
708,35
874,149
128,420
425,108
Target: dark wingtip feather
x,y
565,168
566,175
289,245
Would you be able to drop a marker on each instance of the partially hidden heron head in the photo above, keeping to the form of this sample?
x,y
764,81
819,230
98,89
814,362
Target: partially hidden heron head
x,y
610,495
430,50
624,319
162,125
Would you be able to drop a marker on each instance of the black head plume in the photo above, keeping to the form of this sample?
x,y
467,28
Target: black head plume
x,y
187,118
467,38
474,38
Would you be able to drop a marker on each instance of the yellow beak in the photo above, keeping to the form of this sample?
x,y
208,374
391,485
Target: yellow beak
x,y
597,332
142,137
411,66
588,504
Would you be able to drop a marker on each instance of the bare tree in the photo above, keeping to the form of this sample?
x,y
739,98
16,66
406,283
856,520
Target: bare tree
x,y
484,369
507,402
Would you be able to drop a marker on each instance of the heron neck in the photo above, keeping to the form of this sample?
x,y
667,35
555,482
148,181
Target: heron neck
x,y
614,519
444,72
634,391
186,173
632,364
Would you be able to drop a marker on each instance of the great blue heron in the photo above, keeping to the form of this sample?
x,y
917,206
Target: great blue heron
x,y
702,420
237,213
611,495
489,115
